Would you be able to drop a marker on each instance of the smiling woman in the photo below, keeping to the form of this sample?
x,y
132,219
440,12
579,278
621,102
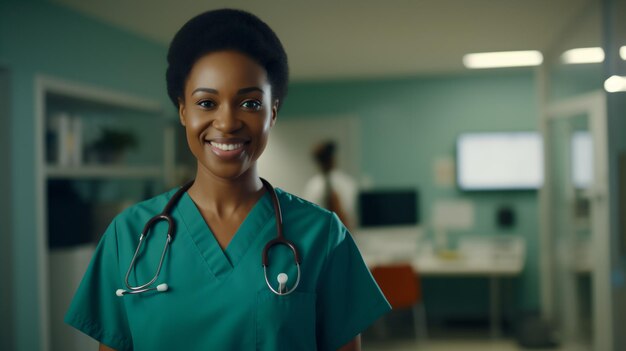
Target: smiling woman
x,y
228,230
238,107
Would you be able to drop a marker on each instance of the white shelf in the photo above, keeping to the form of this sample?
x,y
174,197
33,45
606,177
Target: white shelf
x,y
94,94
59,95
83,172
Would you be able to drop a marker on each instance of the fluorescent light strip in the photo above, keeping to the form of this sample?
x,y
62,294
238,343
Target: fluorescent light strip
x,y
583,55
503,59
622,52
615,84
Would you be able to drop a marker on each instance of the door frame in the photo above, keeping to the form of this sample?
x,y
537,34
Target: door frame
x,y
6,211
594,105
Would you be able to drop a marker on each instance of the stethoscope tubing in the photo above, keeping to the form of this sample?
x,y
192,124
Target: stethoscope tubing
x,y
165,216
140,288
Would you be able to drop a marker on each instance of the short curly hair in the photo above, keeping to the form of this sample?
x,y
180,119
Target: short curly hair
x,y
226,29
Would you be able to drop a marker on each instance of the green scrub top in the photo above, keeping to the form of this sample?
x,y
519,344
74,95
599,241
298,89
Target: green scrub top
x,y
218,299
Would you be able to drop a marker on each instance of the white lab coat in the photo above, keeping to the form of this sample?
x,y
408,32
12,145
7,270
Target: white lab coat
x,y
345,187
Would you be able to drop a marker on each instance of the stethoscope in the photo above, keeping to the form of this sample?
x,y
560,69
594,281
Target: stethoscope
x,y
165,216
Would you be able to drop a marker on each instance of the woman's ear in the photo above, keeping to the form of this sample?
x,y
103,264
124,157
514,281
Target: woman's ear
x,y
181,111
274,112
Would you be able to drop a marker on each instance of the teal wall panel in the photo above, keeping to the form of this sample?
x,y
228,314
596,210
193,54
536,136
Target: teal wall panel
x,y
38,38
406,124
568,81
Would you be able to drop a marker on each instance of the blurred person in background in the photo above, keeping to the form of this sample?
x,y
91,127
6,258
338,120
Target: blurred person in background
x,y
332,189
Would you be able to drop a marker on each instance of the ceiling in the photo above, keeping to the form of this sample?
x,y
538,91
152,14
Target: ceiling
x,y
362,38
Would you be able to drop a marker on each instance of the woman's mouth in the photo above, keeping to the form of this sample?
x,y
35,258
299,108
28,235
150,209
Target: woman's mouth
x,y
226,147
227,150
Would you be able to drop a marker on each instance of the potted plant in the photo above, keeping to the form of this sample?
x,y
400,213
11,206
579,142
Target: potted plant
x,y
112,144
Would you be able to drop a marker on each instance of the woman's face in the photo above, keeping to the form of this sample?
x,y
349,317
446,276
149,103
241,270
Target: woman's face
x,y
227,112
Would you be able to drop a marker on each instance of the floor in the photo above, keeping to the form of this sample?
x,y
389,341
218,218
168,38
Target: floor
x,y
457,345
397,334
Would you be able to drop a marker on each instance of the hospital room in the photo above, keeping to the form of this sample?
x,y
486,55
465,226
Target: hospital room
x,y
433,175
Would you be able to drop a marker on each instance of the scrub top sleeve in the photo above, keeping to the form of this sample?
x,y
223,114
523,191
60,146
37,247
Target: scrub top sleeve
x,y
95,309
348,298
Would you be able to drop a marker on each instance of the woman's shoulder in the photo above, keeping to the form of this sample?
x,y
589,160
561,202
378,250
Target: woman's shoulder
x,y
300,212
297,203
146,208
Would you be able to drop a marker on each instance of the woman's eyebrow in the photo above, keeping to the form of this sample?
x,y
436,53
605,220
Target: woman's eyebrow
x,y
249,89
239,92
205,90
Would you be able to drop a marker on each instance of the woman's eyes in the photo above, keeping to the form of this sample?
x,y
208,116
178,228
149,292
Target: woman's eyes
x,y
251,105
206,104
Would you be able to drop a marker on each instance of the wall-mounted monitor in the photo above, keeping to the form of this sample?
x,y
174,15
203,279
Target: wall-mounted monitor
x,y
499,161
388,207
582,159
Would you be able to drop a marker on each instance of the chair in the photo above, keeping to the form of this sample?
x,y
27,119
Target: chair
x,y
401,286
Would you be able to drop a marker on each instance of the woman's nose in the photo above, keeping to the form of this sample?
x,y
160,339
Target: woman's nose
x,y
226,120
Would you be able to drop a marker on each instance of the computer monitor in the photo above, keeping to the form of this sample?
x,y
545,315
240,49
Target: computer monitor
x,y
388,207
499,161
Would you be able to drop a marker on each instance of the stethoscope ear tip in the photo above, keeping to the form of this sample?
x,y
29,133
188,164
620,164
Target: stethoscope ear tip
x,y
162,287
119,292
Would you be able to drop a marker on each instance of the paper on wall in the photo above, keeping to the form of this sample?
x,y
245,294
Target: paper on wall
x,y
453,214
444,172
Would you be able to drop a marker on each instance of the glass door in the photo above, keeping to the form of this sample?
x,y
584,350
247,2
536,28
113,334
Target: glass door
x,y
570,227
576,212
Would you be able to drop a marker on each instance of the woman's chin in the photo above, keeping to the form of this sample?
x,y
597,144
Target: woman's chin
x,y
229,172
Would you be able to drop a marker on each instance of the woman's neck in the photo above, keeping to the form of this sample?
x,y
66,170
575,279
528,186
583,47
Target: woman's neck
x,y
224,196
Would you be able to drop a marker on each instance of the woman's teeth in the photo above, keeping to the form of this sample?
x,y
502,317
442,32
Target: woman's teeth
x,y
227,147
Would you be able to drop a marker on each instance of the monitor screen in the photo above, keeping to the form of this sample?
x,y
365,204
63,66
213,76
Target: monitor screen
x,y
499,161
388,207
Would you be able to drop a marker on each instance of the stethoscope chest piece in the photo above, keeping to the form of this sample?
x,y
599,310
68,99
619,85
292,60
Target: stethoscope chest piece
x,y
279,240
282,278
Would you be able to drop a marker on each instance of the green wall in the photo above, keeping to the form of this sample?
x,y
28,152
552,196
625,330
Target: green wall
x,y
406,124
568,81
40,38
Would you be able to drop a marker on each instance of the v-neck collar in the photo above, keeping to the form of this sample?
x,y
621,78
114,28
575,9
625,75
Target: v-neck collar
x,y
221,262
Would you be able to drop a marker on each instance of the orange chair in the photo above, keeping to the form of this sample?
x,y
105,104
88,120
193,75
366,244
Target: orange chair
x,y
402,288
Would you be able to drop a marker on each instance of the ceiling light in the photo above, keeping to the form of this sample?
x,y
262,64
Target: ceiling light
x,y
622,52
583,55
503,59
615,83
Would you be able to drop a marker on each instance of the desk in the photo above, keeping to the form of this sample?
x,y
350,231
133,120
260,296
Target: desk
x,y
492,257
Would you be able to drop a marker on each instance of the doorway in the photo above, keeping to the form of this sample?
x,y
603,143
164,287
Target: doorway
x,y
576,211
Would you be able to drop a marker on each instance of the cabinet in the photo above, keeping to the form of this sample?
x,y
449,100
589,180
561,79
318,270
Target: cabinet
x,y
97,151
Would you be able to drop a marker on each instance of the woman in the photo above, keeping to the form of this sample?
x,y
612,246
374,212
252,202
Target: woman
x,y
227,75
